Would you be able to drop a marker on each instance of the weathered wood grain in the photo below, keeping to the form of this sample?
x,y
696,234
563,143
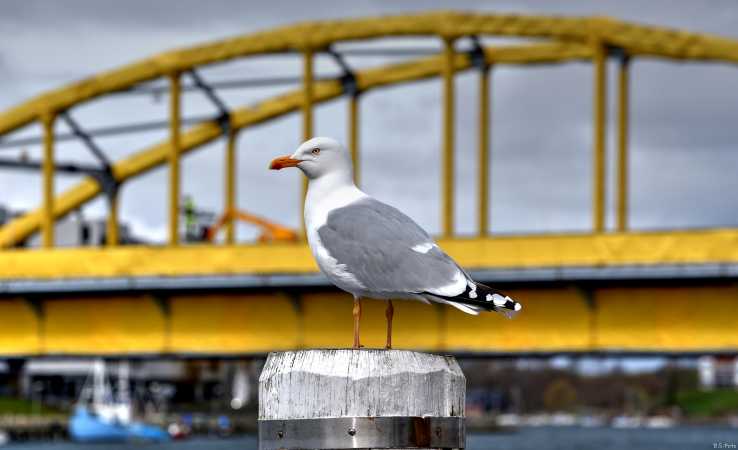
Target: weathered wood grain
x,y
312,384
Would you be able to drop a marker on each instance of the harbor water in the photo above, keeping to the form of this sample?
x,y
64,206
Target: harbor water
x,y
548,438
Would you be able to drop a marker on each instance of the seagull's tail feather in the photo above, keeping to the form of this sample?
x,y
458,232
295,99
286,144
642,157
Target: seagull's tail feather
x,y
473,310
479,297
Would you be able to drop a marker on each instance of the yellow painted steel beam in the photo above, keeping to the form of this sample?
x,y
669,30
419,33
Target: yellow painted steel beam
x,y
546,53
308,94
326,322
448,126
538,330
307,120
154,156
21,333
665,319
48,181
623,136
256,323
230,184
117,325
111,238
662,42
635,39
541,251
353,126
483,154
233,324
173,156
599,127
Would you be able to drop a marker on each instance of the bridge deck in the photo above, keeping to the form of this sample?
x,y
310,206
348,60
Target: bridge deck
x,y
641,319
257,298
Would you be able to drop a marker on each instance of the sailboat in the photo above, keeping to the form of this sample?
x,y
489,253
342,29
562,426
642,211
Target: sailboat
x,y
99,415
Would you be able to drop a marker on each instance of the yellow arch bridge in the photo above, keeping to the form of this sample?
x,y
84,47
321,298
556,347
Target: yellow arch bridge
x,y
671,291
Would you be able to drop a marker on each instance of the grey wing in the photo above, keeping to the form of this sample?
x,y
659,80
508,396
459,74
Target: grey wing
x,y
375,242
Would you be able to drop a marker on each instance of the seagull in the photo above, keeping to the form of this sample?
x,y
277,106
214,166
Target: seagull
x,y
371,249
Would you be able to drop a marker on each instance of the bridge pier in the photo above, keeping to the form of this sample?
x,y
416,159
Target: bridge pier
x,y
368,399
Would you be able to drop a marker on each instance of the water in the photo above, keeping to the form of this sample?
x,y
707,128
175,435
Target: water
x,y
558,438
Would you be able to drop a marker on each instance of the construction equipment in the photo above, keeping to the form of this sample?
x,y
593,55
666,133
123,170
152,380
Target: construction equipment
x,y
270,231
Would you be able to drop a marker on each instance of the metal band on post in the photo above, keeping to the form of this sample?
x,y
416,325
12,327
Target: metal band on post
x,y
362,432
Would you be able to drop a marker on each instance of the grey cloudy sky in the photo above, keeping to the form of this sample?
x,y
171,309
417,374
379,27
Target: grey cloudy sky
x,y
684,135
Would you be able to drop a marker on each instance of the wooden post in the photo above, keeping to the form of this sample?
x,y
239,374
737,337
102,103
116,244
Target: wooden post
x,y
345,399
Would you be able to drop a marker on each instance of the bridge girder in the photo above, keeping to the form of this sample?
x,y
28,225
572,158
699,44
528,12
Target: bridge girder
x,y
635,320
632,38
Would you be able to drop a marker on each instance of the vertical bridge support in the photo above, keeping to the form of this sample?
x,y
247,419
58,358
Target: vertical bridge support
x,y
623,125
368,399
307,121
351,89
600,136
448,167
47,227
174,144
478,60
230,184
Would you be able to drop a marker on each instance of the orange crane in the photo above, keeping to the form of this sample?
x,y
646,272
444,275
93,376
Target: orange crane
x,y
269,231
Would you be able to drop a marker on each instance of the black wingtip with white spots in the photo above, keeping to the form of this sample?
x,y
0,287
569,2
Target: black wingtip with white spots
x,y
484,297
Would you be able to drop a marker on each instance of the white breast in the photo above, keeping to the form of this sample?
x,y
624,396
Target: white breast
x,y
318,204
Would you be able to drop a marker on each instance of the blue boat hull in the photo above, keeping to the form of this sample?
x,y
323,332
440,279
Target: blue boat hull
x,y
86,427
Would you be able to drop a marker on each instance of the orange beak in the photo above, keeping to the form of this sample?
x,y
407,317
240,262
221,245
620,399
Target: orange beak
x,y
282,162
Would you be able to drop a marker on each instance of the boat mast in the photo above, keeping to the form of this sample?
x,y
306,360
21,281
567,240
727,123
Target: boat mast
x,y
98,383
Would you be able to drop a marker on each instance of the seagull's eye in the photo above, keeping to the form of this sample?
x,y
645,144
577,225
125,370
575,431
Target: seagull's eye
x,y
315,151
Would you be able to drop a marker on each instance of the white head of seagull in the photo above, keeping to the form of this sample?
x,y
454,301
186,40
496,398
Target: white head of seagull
x,y
317,158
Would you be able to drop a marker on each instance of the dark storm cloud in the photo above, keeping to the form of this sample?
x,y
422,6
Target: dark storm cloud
x,y
684,142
